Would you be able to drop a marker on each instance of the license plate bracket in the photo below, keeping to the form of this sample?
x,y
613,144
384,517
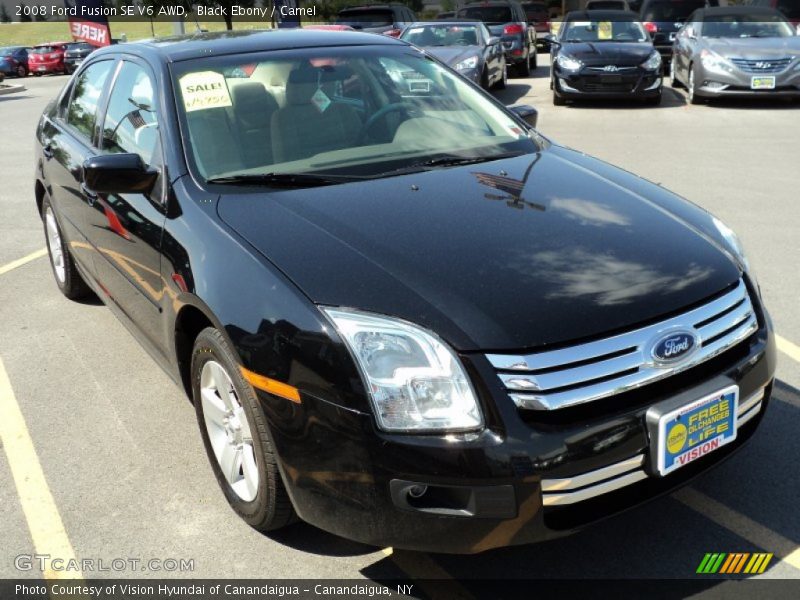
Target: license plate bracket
x,y
694,427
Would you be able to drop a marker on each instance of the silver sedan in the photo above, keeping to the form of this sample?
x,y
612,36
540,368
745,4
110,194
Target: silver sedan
x,y
740,51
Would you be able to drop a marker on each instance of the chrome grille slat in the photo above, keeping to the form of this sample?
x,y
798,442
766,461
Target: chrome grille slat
x,y
610,366
566,377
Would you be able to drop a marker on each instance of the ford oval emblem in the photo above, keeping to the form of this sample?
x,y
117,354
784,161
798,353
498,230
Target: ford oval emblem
x,y
673,346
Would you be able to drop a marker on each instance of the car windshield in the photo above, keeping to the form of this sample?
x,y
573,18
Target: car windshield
x,y
366,18
604,31
668,10
487,14
7,51
442,35
535,11
356,112
747,26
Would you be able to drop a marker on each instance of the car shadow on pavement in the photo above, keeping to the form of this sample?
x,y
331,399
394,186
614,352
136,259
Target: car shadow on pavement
x,y
513,92
307,538
661,539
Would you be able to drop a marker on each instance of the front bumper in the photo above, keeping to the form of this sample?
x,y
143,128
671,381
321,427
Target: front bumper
x,y
716,84
593,84
523,479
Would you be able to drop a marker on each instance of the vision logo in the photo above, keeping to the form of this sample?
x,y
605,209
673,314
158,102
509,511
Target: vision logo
x,y
734,563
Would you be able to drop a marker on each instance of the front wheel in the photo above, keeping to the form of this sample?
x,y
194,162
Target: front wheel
x,y
692,87
673,69
234,430
66,274
22,71
503,81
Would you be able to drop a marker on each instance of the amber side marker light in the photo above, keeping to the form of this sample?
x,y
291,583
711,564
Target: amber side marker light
x,y
271,385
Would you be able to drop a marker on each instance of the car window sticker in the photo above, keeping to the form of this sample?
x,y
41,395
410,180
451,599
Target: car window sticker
x,y
204,90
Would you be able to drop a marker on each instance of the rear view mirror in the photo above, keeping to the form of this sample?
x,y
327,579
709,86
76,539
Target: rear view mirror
x,y
525,112
118,174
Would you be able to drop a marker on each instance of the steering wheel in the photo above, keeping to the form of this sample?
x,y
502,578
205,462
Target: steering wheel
x,y
394,107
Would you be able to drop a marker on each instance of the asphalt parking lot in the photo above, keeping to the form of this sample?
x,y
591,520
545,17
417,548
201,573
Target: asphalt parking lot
x,y
121,456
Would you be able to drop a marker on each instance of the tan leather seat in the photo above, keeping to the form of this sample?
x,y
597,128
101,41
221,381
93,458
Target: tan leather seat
x,y
301,129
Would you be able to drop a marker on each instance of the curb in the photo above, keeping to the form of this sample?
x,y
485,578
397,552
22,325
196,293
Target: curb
x,y
10,89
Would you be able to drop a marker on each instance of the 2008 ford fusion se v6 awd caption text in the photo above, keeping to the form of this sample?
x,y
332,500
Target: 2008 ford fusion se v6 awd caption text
x,y
402,314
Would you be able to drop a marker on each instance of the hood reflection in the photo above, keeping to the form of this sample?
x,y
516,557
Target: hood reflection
x,y
589,212
612,281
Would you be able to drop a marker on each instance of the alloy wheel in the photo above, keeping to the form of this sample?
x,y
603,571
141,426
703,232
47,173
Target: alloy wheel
x,y
228,431
54,245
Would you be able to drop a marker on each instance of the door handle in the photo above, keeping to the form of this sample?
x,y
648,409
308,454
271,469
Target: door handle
x,y
48,151
91,197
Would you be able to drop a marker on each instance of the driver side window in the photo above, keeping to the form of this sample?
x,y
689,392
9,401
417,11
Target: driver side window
x,y
131,123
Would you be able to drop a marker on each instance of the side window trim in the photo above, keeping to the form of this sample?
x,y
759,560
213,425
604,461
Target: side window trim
x,y
63,117
145,66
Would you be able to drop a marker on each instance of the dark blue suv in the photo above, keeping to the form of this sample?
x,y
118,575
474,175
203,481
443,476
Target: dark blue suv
x,y
664,18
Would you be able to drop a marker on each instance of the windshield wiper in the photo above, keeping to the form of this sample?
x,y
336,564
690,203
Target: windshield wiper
x,y
298,180
449,160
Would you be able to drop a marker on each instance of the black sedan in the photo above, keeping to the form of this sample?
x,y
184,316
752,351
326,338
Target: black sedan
x,y
75,54
604,54
402,314
466,46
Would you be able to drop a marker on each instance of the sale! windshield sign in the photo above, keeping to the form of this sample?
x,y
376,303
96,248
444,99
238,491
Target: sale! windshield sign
x,y
88,21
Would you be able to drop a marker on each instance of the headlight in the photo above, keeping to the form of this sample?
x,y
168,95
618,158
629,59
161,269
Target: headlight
x,y
469,63
568,63
733,242
714,62
653,62
414,380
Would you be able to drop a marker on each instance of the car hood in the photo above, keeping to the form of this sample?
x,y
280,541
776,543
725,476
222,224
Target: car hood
x,y
452,55
754,48
608,53
521,253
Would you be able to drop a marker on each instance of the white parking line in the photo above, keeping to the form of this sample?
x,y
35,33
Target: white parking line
x,y
41,513
741,525
788,348
22,261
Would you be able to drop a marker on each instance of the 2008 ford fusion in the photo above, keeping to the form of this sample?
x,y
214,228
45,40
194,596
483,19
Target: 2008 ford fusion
x,y
402,314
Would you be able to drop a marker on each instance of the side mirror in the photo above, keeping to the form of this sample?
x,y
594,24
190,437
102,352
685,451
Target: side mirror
x,y
551,39
493,41
118,174
525,112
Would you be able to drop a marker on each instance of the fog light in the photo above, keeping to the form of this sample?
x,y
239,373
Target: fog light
x,y
417,491
715,85
565,86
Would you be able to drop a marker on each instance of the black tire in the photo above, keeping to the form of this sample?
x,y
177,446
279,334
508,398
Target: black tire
x,y
500,84
485,79
535,63
22,71
73,285
674,81
524,68
271,508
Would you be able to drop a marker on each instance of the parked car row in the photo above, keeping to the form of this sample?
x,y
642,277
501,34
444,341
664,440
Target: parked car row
x,y
43,59
714,52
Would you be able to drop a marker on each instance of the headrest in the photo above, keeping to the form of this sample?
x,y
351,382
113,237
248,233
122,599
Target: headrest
x,y
303,82
251,96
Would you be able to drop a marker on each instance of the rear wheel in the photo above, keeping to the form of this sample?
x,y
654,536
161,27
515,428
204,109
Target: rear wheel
x,y
22,71
67,277
535,63
234,430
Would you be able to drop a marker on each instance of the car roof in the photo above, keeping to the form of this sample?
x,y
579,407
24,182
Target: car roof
x,y
371,6
596,15
185,47
724,11
445,22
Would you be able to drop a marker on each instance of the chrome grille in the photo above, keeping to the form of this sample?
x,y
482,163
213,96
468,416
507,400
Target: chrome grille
x,y
764,65
569,490
613,71
570,376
